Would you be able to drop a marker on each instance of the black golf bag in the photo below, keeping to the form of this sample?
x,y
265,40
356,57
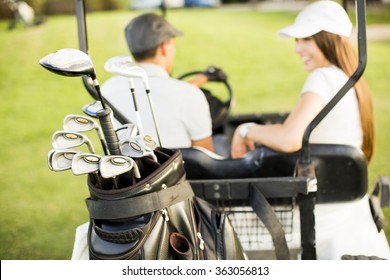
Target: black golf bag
x,y
157,217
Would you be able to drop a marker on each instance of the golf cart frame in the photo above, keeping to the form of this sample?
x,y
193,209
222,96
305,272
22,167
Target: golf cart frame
x,y
318,173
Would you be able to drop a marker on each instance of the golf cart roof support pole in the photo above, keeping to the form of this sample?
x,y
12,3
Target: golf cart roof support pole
x,y
306,167
83,42
83,46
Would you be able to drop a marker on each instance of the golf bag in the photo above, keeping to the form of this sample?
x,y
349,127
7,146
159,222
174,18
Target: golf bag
x,y
158,217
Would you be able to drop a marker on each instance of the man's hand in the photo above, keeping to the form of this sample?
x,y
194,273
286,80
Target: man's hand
x,y
215,74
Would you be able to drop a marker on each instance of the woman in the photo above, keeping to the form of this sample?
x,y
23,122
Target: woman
x,y
321,31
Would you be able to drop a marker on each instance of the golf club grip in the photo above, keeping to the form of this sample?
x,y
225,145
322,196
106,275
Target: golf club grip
x,y
109,131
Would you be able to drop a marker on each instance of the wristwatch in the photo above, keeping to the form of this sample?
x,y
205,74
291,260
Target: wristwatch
x,y
244,129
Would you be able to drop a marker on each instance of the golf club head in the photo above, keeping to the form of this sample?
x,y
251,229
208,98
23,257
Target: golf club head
x,y
63,139
132,149
126,132
111,166
79,123
117,61
69,62
127,68
49,158
147,142
84,163
91,109
60,160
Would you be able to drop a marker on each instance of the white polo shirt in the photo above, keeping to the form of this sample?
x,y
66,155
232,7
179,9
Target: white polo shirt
x,y
342,124
182,111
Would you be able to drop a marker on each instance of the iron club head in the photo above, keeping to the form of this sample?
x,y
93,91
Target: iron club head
x,y
111,166
81,123
84,163
63,139
60,160
133,149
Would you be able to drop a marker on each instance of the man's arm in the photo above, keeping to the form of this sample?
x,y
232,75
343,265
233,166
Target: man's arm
x,y
198,80
206,143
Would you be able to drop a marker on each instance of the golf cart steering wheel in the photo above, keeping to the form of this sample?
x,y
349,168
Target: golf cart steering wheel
x,y
219,110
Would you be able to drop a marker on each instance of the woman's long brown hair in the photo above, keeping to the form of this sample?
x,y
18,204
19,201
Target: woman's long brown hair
x,y
339,51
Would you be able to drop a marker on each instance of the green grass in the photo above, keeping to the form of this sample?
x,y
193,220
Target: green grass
x,y
40,209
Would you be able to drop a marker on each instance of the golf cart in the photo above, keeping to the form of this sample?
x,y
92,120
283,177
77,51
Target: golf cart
x,y
312,204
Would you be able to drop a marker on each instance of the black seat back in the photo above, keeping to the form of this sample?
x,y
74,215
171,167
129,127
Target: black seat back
x,y
341,170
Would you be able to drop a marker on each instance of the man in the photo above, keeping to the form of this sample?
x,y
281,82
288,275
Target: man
x,y
182,111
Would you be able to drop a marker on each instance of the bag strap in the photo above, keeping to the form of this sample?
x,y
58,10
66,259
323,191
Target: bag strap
x,y
382,189
380,198
139,205
267,215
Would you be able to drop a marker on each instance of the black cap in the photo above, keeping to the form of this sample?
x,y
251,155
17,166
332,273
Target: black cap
x,y
148,31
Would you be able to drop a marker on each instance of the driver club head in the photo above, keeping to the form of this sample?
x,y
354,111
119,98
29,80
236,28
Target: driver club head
x,y
63,139
111,166
60,160
124,66
84,163
69,62
73,63
117,61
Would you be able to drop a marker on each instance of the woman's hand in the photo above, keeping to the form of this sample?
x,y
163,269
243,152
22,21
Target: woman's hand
x,y
241,145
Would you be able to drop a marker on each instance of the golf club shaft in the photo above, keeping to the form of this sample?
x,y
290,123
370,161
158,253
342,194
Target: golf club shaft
x,y
154,116
104,117
104,145
137,113
97,87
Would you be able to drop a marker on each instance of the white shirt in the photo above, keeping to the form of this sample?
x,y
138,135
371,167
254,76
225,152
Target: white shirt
x,y
342,124
182,111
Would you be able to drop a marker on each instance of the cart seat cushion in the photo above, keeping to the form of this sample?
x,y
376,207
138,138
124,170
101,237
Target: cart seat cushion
x,y
341,170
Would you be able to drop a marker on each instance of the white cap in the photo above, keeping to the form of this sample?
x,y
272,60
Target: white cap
x,y
319,16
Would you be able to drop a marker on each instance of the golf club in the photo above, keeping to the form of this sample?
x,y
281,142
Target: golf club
x,y
84,163
131,70
80,124
120,65
60,160
142,74
112,166
146,142
126,131
63,139
133,149
91,109
73,63
50,157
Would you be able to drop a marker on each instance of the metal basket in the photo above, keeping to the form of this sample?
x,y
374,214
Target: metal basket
x,y
250,229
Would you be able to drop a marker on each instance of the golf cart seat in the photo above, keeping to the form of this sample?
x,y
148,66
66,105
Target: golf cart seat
x,y
341,170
